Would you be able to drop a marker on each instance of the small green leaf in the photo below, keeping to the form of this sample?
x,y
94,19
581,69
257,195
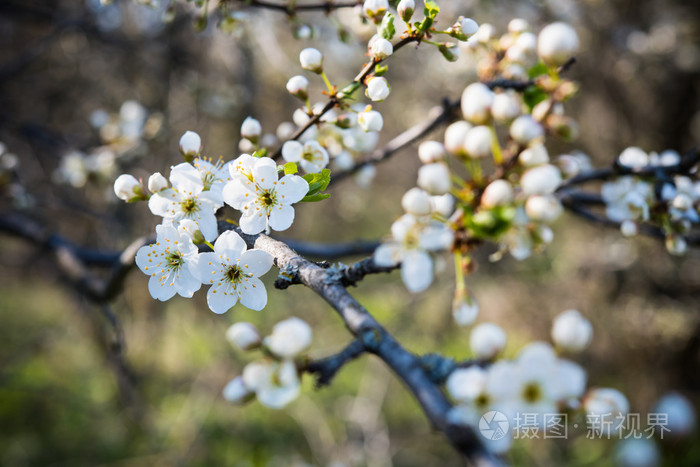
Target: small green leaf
x,y
290,168
316,197
537,70
533,96
380,69
317,181
349,90
431,9
262,152
387,29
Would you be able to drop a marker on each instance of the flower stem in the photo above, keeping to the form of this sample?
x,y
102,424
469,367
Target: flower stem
x,y
495,146
328,83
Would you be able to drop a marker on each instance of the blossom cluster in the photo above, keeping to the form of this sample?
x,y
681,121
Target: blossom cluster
x,y
274,379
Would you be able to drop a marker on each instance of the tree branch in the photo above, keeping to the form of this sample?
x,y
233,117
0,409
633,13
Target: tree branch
x,y
326,368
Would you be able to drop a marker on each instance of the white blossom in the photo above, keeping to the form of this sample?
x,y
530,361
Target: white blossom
x,y
264,200
525,129
126,187
190,144
236,391
311,155
370,120
679,412
289,338
443,204
467,384
487,340
377,88
476,103
435,178
543,208
381,48
534,155
276,384
455,135
417,202
157,183
243,335
468,26
431,151
171,262
557,43
465,311
637,452
298,86
634,158
187,200
628,228
375,9
540,180
214,176
311,59
506,107
411,241
477,143
518,25
604,406
233,274
497,193
251,129
571,331
627,199
405,9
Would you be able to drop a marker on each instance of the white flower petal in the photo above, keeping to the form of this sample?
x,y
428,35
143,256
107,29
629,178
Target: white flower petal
x,y
187,284
256,262
236,194
230,244
281,217
265,173
291,189
186,179
388,254
161,203
253,221
221,298
160,290
253,294
417,270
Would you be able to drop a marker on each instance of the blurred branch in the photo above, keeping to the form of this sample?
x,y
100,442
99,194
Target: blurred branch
x,y
326,368
379,341
291,8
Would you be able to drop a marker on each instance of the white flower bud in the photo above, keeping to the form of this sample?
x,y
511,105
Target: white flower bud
x,y
126,187
676,245
476,103
557,43
405,9
506,106
466,384
298,86
381,48
255,375
485,33
637,452
527,42
682,202
431,151
365,175
344,161
497,193
469,26
157,183
191,229
375,9
190,144
487,340
634,158
292,151
377,89
465,311
311,59
417,202
236,391
244,336
571,331
518,25
370,120
609,404
434,178
524,129
477,143
680,414
251,129
540,180
443,204
628,228
543,208
455,135
535,155
289,338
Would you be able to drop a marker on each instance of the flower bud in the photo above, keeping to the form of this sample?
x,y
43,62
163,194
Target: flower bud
x,y
485,33
157,183
289,338
311,59
298,86
431,151
449,50
607,405
628,228
443,204
375,9
540,180
543,208
465,310
557,43
506,106
377,88
244,336
469,26
524,129
236,391
370,120
251,129
434,178
676,245
535,155
417,202
405,9
682,202
571,331
381,48
476,103
466,384
455,135
518,25
191,229
497,193
679,412
127,188
477,143
190,145
487,340
637,452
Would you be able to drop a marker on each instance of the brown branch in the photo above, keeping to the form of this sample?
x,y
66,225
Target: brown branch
x,y
291,8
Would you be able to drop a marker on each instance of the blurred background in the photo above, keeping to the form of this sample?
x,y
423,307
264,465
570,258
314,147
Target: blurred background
x,y
89,91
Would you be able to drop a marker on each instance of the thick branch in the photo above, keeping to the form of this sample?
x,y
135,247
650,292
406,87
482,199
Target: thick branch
x,y
291,8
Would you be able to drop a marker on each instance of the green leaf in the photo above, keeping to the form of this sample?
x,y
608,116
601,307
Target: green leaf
x,y
387,29
537,70
290,168
260,153
533,96
490,223
349,90
380,69
316,197
317,183
431,9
